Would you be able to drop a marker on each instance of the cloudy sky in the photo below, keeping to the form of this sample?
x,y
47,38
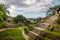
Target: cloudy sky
x,y
29,8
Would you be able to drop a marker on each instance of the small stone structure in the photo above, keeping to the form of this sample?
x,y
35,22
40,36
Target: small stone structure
x,y
9,22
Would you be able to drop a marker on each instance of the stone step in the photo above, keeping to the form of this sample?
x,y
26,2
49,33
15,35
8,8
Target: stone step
x,y
38,30
44,25
35,32
32,34
52,19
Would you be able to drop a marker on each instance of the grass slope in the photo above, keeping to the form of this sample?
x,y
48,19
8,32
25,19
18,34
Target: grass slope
x,y
15,33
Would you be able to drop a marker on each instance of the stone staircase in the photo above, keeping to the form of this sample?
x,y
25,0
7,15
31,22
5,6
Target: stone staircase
x,y
35,32
52,19
43,26
32,34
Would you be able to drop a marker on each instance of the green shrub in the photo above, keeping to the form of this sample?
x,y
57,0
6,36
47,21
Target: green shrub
x,y
26,30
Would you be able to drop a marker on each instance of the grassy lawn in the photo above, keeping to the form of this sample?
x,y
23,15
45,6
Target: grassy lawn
x,y
31,38
46,38
57,28
16,34
53,34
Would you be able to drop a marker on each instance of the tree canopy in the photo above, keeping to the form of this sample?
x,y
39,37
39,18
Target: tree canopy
x,y
20,18
3,14
52,10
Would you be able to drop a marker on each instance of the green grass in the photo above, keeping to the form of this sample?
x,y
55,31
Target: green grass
x,y
47,38
57,28
1,25
15,33
33,25
23,27
31,38
53,34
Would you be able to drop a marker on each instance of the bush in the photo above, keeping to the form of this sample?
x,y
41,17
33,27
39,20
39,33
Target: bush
x,y
30,27
26,30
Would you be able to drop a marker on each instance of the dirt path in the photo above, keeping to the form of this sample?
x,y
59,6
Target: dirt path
x,y
40,28
25,36
5,29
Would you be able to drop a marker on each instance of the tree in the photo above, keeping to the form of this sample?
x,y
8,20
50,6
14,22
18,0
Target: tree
x,y
52,10
22,19
3,15
39,19
3,12
19,18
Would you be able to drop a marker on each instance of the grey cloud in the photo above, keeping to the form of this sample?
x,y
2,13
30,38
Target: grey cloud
x,y
14,2
18,3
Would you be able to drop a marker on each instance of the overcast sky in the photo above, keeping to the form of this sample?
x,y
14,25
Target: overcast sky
x,y
29,8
